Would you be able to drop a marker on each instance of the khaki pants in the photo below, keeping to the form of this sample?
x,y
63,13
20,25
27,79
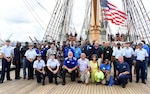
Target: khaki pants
x,y
85,77
107,77
99,61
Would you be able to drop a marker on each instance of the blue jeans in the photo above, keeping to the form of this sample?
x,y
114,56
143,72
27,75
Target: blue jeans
x,y
24,63
146,67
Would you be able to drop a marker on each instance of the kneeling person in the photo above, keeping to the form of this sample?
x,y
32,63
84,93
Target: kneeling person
x,y
39,65
84,67
106,68
122,72
53,67
70,65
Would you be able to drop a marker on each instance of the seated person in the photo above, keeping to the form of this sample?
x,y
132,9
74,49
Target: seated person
x,y
53,67
39,65
106,69
70,65
122,72
84,67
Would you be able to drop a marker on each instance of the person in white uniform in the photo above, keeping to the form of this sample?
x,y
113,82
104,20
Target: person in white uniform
x,y
118,51
129,55
30,56
7,55
39,65
141,55
53,67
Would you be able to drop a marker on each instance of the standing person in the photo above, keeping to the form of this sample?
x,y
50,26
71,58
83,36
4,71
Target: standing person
x,y
77,50
141,55
98,51
107,51
129,54
122,72
60,58
24,60
7,54
39,65
30,56
88,49
84,68
53,67
17,59
52,50
40,51
67,49
145,46
70,65
118,51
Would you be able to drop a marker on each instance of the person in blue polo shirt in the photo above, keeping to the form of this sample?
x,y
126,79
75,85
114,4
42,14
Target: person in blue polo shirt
x,y
122,72
70,65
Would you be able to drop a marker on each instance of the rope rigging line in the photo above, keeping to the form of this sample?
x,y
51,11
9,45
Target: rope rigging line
x,y
35,15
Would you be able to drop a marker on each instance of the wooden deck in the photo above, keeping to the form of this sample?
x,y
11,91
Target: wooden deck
x,y
31,87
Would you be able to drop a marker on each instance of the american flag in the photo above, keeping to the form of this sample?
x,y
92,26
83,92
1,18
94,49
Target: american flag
x,y
112,13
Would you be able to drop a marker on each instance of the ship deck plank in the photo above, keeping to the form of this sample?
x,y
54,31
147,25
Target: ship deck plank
x,y
31,87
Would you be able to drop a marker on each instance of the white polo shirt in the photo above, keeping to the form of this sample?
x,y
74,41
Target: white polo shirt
x,y
128,52
83,64
30,53
53,63
39,65
7,50
141,54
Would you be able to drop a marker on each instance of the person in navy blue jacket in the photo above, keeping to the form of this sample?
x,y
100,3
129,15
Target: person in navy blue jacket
x,y
17,58
122,72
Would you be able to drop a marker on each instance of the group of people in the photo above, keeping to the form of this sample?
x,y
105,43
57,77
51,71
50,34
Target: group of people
x,y
79,59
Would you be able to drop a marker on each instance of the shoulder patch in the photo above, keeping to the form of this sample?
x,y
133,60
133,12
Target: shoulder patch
x,y
66,58
74,58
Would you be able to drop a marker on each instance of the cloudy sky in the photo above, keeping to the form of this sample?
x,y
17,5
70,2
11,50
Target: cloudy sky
x,y
17,20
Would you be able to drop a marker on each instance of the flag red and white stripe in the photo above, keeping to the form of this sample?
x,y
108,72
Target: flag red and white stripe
x,y
113,14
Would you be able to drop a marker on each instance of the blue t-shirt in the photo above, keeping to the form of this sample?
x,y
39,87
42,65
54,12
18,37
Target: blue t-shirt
x,y
105,67
70,63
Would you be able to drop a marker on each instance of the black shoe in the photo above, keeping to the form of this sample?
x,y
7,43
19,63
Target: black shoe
x,y
97,83
24,77
50,81
143,82
79,81
63,83
1,81
28,78
56,83
9,79
16,78
130,80
43,83
137,81
107,83
123,86
32,77
19,77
